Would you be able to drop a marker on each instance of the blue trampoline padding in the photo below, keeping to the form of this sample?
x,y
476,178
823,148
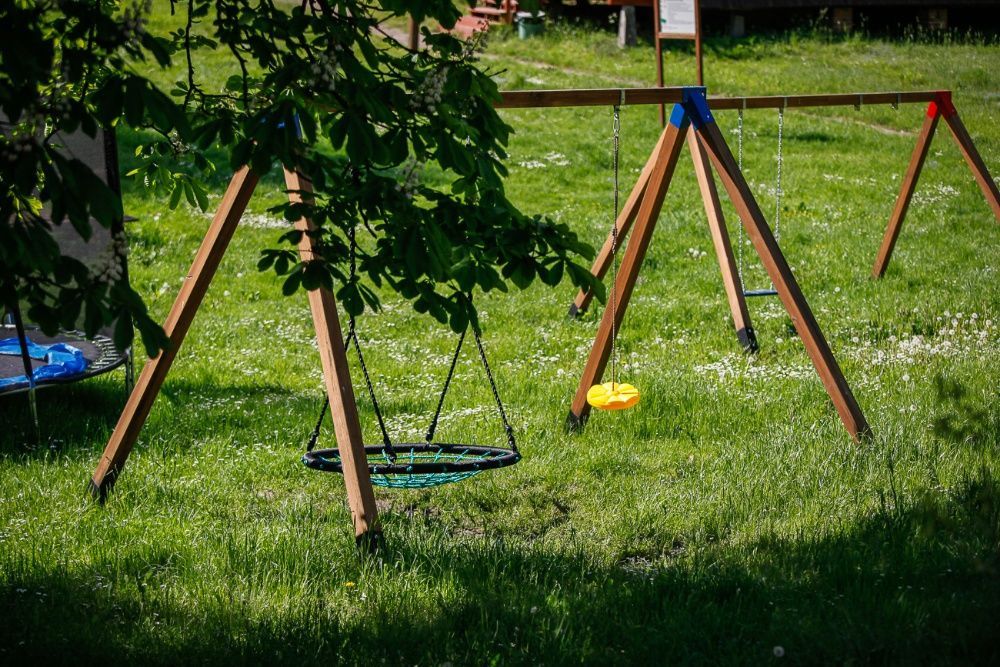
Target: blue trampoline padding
x,y
63,361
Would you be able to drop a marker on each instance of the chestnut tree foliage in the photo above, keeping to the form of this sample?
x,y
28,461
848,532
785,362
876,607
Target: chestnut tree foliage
x,y
316,87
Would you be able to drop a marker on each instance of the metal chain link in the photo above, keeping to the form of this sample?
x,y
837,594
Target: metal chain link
x,y
739,162
508,429
778,193
616,133
778,189
352,336
444,392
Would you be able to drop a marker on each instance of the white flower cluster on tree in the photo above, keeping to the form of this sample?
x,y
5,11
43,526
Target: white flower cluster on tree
x,y
409,183
324,71
110,265
428,96
133,23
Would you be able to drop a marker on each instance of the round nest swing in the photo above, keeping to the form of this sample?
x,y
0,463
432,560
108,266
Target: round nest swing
x,y
419,465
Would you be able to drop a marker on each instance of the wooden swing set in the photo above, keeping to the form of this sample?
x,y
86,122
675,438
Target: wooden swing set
x,y
645,201
690,121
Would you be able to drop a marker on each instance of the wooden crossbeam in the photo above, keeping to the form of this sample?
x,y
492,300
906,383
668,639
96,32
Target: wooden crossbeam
x,y
588,97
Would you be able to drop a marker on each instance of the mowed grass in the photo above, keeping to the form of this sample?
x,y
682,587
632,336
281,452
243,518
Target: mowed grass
x,y
728,518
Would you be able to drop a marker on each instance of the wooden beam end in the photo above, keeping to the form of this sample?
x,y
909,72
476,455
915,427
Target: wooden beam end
x,y
748,339
575,422
370,542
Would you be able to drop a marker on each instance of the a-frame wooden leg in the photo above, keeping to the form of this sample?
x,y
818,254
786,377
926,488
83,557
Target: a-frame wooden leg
x,y
723,248
623,223
973,159
941,107
206,262
339,389
906,191
649,211
781,275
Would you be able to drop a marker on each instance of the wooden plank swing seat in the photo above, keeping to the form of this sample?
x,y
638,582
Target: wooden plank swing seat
x,y
691,121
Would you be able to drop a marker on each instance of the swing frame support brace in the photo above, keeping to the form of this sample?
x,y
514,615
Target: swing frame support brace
x,y
720,239
336,372
693,114
939,108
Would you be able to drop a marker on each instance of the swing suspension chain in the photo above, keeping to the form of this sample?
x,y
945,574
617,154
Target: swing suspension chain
x,y
447,382
390,452
778,189
616,127
739,162
777,185
778,192
352,334
508,429
352,338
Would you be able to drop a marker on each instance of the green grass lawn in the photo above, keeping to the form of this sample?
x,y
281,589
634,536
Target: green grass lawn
x,y
728,518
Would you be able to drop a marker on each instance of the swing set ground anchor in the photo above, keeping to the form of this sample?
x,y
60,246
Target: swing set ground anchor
x,y
748,339
370,543
575,423
99,492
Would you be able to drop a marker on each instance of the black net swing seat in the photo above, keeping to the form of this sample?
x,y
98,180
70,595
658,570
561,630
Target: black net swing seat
x,y
425,464
419,465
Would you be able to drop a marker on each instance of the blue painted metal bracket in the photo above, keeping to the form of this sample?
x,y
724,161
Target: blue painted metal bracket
x,y
693,108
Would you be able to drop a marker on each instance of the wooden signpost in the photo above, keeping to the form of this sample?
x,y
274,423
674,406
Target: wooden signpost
x,y
691,121
677,19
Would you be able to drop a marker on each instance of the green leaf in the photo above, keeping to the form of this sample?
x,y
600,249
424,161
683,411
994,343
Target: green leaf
x,y
292,282
133,101
200,196
552,275
175,196
523,273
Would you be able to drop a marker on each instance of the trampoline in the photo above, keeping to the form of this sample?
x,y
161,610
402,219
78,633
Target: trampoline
x,y
75,356
99,354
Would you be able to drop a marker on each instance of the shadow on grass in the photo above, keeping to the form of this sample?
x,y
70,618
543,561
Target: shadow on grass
x,y
913,584
67,414
82,415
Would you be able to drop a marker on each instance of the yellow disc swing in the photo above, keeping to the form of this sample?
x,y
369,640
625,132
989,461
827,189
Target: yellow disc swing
x,y
614,395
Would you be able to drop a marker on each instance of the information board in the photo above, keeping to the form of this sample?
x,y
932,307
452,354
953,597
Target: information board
x,y
678,18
